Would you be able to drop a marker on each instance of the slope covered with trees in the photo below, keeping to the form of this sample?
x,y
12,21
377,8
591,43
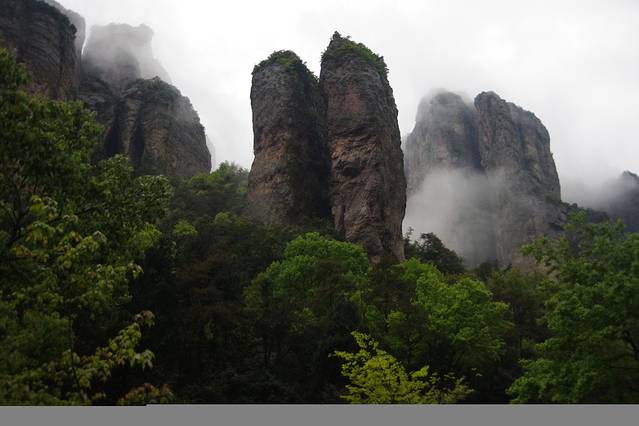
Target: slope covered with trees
x,y
120,288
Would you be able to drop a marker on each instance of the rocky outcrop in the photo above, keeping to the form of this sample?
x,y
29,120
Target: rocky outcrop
x,y
80,27
515,146
504,151
151,123
368,187
144,117
148,120
444,137
44,39
515,141
120,54
449,193
288,182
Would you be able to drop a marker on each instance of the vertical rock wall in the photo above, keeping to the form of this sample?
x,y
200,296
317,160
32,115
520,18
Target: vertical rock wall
x,y
368,187
44,40
288,183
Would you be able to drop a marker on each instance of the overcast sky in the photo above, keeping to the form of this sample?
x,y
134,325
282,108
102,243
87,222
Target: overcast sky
x,y
575,64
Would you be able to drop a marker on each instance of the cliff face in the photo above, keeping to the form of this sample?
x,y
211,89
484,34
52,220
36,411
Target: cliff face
x,y
510,187
444,137
368,187
515,145
515,141
152,124
120,54
148,120
44,39
288,182
78,22
449,193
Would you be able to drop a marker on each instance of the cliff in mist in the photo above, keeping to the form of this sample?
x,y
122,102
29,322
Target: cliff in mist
x,y
120,54
443,138
117,76
619,198
490,172
43,38
329,150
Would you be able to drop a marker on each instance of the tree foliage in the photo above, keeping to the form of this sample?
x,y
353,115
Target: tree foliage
x,y
430,249
376,377
70,235
593,315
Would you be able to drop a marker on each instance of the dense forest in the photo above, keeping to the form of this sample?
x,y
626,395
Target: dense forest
x,y
117,288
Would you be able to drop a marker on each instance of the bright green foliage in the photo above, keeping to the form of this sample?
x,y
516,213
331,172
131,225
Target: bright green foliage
x,y
341,46
454,327
313,267
463,314
70,233
593,315
376,377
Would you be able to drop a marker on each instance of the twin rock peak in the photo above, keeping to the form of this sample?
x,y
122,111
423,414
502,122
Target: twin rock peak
x,y
326,149
329,149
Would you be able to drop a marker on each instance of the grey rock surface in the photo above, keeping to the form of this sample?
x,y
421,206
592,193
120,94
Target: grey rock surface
x,y
289,178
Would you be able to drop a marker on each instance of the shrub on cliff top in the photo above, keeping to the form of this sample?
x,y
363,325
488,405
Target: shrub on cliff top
x,y
344,45
287,59
155,90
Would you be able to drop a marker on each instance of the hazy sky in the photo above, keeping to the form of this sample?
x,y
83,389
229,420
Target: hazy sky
x,y
575,64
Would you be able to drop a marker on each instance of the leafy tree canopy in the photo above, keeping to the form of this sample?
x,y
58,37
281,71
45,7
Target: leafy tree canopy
x,y
593,315
70,235
376,377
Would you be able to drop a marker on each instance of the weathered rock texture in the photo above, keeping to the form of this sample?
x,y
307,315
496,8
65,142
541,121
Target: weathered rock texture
x,y
368,187
445,136
288,182
144,117
148,120
505,152
515,144
120,54
44,39
151,123
78,22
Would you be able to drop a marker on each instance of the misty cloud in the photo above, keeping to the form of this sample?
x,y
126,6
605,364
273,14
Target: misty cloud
x,y
121,53
457,206
602,195
574,63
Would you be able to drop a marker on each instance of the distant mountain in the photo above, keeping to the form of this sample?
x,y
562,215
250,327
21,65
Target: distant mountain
x,y
116,76
482,177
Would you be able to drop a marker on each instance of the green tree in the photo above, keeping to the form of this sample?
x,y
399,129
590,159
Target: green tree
x,y
70,234
454,327
430,249
305,307
376,377
592,312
